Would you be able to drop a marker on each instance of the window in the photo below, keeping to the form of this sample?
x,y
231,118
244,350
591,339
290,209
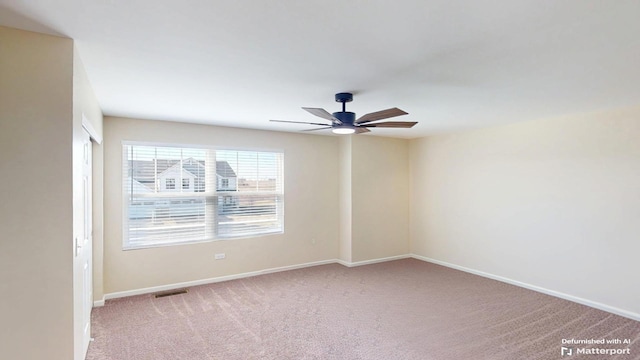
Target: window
x,y
234,194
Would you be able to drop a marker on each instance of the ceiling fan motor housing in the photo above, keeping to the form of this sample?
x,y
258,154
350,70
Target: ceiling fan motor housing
x,y
346,117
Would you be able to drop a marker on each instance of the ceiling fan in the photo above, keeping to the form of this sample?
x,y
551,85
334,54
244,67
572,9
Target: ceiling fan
x,y
345,122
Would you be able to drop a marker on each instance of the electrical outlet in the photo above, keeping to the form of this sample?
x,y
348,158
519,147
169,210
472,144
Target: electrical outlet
x,y
220,256
313,241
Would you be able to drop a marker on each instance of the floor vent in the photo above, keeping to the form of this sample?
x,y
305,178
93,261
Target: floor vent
x,y
171,293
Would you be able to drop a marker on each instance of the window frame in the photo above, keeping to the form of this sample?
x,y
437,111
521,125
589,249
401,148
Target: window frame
x,y
200,191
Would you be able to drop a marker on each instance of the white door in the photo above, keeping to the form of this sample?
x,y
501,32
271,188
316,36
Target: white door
x,y
84,248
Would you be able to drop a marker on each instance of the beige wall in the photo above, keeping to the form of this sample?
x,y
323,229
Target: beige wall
x,y
345,199
553,203
380,197
36,216
374,198
311,208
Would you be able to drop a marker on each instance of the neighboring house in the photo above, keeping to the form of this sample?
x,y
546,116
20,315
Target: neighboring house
x,y
144,171
187,176
226,178
191,177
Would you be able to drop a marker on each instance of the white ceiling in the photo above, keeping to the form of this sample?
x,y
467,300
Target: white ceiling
x,y
451,64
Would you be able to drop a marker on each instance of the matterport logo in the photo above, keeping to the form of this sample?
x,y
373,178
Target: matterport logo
x,y
595,347
566,351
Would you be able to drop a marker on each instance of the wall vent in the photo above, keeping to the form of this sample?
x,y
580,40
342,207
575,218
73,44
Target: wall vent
x,y
171,293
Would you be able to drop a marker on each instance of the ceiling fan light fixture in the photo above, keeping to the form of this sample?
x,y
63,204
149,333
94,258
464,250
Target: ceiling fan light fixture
x,y
343,130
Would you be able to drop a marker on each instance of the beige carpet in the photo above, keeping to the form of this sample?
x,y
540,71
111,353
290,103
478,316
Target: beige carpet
x,y
405,309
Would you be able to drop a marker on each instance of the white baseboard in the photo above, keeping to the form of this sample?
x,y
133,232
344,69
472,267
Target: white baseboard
x,y
155,289
372,261
579,300
98,303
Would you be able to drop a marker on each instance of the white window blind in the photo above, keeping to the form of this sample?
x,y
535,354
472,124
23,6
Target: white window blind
x,y
221,194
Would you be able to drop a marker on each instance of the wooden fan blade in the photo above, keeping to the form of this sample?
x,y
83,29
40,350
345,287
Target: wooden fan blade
x,y
322,128
360,130
299,122
322,113
379,115
392,124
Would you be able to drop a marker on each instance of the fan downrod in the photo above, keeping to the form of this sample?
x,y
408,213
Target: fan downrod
x,y
344,98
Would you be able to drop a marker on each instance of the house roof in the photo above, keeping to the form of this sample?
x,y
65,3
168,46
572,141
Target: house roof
x,y
145,171
194,167
223,169
137,187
